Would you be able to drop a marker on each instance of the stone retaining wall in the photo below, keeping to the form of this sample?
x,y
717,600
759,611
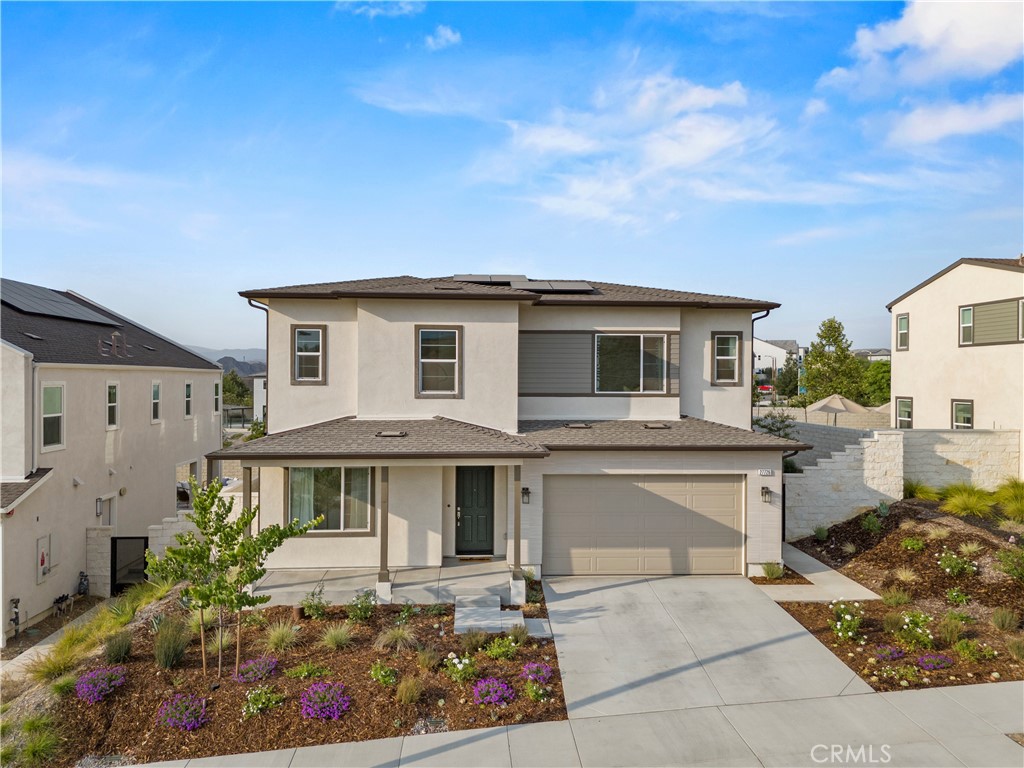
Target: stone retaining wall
x,y
982,457
97,559
160,536
826,441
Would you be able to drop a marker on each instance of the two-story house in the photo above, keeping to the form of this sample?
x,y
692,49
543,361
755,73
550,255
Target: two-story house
x,y
572,427
97,412
958,348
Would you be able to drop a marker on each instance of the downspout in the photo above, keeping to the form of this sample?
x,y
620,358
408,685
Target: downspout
x,y
752,321
266,343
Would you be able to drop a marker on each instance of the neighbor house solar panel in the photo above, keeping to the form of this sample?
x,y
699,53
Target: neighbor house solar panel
x,y
36,300
488,279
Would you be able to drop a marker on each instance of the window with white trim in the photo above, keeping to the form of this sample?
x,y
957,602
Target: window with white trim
x,y
902,332
963,414
216,397
966,325
308,348
343,495
113,404
904,413
438,361
154,410
188,399
726,350
634,362
53,416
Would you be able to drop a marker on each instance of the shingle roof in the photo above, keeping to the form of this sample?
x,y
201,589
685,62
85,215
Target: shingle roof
x,y
685,434
1013,265
406,286
790,345
64,340
350,438
11,493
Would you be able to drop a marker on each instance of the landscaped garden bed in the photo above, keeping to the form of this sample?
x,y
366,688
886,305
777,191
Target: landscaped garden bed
x,y
952,591
789,576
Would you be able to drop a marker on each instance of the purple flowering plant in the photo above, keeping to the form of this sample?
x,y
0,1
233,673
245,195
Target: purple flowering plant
x,y
536,672
324,701
186,712
933,661
889,653
255,670
93,687
491,690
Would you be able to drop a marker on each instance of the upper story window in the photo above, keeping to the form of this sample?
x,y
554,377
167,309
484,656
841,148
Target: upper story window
x,y
725,359
154,412
963,414
966,325
902,332
904,413
188,399
343,495
216,397
309,354
438,361
113,405
53,416
630,362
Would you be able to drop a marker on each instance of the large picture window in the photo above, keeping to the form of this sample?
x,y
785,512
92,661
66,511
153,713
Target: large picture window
x,y
343,495
630,363
725,352
438,361
53,415
309,345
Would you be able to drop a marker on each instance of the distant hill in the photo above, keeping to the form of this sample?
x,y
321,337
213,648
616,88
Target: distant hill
x,y
254,355
243,368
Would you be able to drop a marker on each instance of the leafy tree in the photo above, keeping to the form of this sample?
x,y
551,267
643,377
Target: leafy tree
x,y
830,367
221,559
787,380
235,390
776,422
876,382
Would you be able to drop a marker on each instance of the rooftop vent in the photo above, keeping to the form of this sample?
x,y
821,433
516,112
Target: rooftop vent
x,y
656,425
33,336
447,287
576,425
391,434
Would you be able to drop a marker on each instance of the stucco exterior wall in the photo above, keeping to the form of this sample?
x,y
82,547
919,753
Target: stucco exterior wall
x,y
979,456
763,520
697,395
15,413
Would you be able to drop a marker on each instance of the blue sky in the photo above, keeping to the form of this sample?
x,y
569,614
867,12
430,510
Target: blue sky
x,y
161,157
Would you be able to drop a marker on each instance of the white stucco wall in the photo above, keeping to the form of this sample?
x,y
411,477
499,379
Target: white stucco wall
x,y
15,413
698,397
138,457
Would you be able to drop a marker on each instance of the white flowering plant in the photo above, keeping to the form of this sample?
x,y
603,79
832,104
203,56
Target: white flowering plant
x,y
460,669
955,565
915,632
846,619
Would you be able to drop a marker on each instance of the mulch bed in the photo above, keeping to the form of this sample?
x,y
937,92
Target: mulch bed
x,y
535,607
125,722
873,564
789,576
29,636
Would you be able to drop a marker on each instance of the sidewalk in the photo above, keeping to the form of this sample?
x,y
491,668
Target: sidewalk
x,y
16,667
826,584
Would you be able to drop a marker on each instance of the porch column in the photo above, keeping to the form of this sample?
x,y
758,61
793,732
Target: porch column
x,y
247,492
517,533
383,575
209,471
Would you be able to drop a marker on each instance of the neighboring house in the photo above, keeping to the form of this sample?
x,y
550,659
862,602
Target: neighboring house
x,y
259,397
97,412
872,355
578,428
958,348
769,355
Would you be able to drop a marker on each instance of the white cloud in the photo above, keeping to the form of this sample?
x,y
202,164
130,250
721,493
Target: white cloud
x,y
29,170
385,8
813,108
935,122
934,41
811,235
443,37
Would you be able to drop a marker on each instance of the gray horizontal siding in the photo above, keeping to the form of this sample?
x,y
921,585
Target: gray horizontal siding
x,y
994,323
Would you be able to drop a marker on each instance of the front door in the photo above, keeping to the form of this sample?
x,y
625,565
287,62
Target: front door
x,y
474,510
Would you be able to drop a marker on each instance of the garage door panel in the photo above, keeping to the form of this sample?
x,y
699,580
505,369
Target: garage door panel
x,y
637,524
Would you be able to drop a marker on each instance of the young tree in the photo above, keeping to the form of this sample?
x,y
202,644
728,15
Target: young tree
x,y
776,422
830,368
786,381
235,390
876,382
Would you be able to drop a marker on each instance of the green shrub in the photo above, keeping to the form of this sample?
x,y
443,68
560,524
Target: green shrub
x,y
772,570
846,620
871,524
460,670
63,686
895,596
398,638
914,632
280,636
1015,648
383,674
57,663
1010,498
519,634
956,596
912,544
1005,619
964,500
821,533
428,658
306,669
892,622
971,650
790,467
1011,561
963,618
77,636
502,648
261,699
336,636
170,643
254,618
5,725
436,609
936,532
954,565
409,690
40,748
915,489
8,753
362,605
949,630
315,604
406,614
473,640
36,724
118,648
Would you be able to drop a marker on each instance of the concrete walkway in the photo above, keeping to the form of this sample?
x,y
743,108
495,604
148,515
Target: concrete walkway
x,y
826,584
16,667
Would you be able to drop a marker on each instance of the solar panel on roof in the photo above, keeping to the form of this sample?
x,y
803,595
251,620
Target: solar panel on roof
x,y
489,279
36,300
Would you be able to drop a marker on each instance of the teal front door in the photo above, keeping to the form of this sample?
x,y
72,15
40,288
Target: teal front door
x,y
474,510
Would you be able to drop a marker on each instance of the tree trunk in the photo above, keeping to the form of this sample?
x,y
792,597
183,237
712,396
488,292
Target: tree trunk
x,y
202,638
220,640
238,641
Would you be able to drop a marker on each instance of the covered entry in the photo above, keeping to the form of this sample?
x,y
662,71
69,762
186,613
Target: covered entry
x,y
643,524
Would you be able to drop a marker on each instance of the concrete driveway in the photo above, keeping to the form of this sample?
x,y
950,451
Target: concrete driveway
x,y
630,645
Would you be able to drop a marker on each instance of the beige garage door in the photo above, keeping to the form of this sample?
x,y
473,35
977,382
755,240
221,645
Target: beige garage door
x,y
642,524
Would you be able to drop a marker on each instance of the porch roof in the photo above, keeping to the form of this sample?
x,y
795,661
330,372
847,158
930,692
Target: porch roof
x,y
352,438
12,494
685,434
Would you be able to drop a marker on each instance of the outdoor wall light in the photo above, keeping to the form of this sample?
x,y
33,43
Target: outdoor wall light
x,y
766,494
526,495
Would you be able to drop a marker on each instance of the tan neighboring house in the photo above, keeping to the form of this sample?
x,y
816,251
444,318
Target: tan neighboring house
x,y
575,428
97,413
958,348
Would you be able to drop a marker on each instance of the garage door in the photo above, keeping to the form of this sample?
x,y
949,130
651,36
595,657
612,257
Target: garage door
x,y
642,524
